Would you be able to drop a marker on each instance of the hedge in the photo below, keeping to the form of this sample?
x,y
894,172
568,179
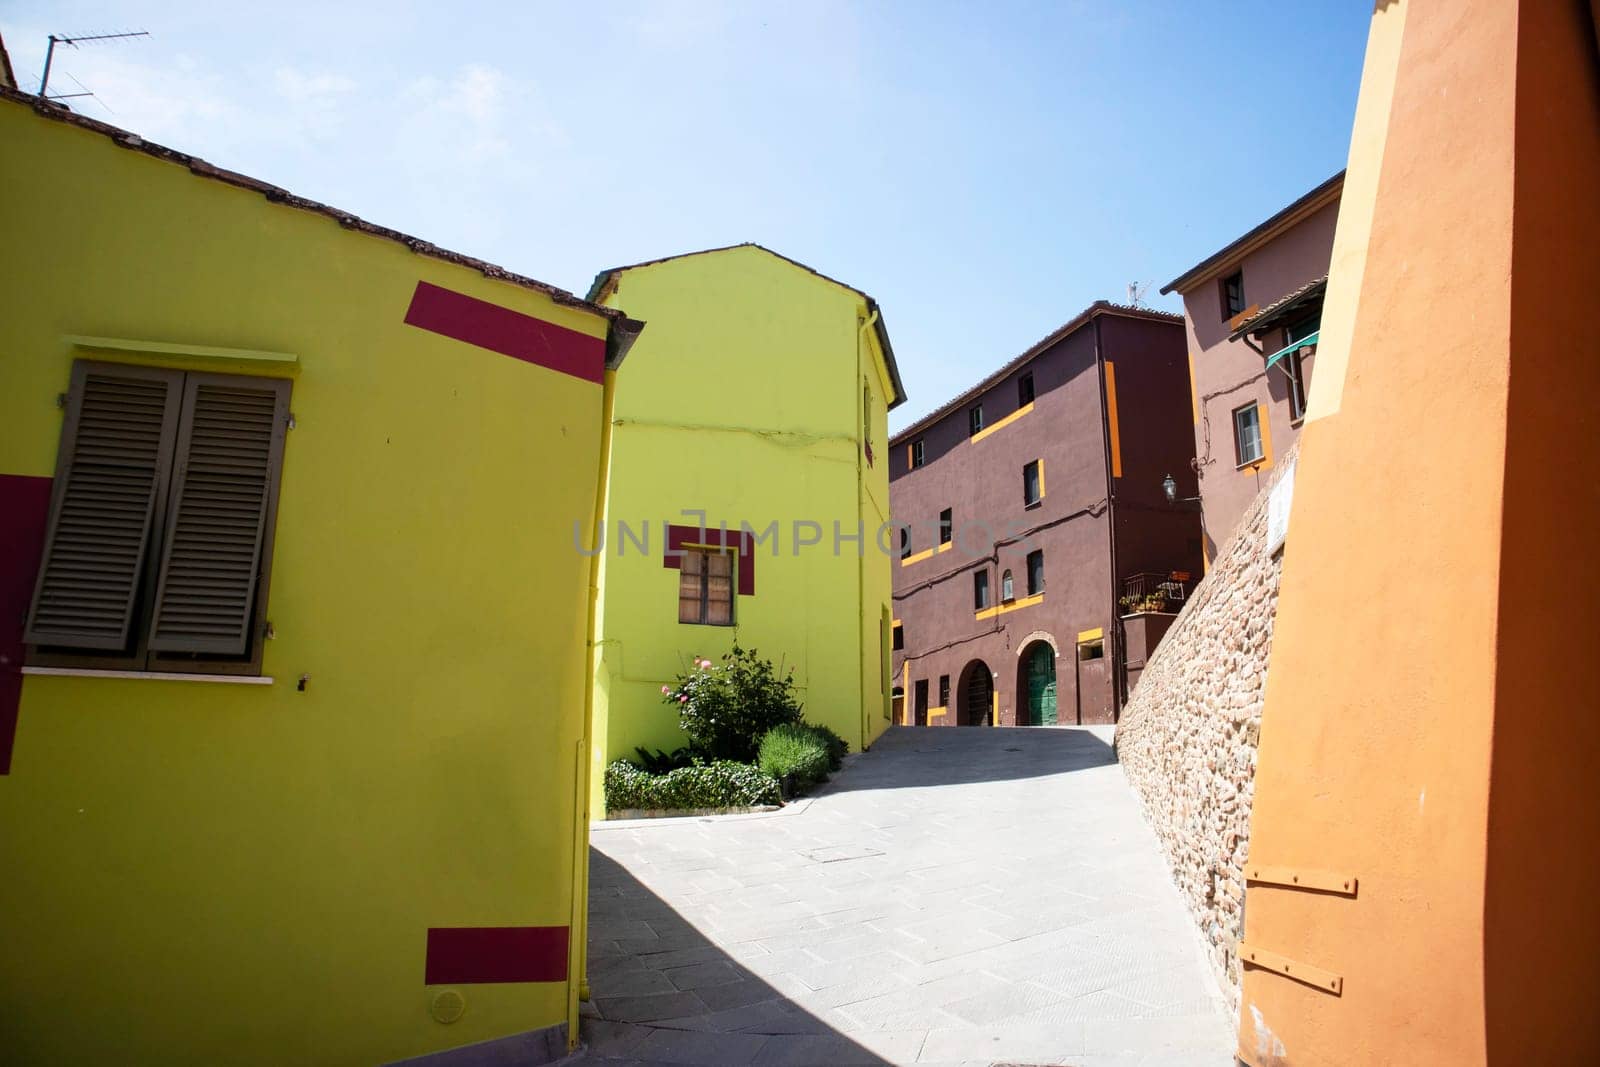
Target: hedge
x,y
712,785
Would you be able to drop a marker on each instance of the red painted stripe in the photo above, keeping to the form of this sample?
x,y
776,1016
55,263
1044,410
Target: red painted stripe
x,y
511,333
474,954
678,536
24,513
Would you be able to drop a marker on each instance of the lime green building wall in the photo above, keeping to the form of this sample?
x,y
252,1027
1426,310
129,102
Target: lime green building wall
x,y
202,872
744,400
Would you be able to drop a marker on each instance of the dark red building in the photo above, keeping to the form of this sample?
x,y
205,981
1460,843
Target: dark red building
x,y
1040,557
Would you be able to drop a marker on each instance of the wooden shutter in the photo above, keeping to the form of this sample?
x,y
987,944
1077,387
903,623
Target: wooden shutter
x,y
110,484
224,502
691,577
719,588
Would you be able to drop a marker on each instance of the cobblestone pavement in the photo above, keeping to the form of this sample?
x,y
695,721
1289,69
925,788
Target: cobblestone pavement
x,y
953,896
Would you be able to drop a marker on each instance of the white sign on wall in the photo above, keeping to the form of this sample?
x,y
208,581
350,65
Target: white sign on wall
x,y
1278,502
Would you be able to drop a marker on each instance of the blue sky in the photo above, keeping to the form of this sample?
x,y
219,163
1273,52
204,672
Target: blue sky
x,y
985,171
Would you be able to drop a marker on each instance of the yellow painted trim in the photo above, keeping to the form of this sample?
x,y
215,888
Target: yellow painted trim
x,y
994,706
1001,609
895,622
1194,395
947,546
1111,419
937,713
1041,477
1007,421
1266,437
168,348
916,557
1091,635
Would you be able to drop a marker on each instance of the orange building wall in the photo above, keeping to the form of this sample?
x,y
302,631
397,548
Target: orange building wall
x,y
1541,920
1443,508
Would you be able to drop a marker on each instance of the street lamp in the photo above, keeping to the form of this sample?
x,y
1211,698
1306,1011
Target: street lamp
x,y
1170,488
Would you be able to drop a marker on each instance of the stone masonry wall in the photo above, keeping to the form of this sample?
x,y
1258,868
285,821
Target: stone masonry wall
x,y
1187,738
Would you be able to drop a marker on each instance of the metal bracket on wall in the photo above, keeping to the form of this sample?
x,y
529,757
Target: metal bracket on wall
x,y
1315,977
1295,878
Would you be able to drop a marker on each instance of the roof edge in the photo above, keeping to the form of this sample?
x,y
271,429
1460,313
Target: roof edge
x,y
605,281
1251,239
1059,334
200,168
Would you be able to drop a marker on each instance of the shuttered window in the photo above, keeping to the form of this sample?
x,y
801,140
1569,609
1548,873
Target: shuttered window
x,y
705,587
160,534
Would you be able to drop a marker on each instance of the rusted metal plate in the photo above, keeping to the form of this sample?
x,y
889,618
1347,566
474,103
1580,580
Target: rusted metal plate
x,y
1300,878
1315,977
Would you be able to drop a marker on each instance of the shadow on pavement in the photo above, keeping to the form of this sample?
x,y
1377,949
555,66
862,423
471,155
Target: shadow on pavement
x,y
919,757
662,992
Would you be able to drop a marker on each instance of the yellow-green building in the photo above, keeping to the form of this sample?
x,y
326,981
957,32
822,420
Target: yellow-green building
x,y
293,635
757,402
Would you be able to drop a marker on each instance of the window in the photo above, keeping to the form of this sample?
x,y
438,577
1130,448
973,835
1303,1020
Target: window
x,y
1296,370
1295,367
919,704
980,590
916,453
705,586
905,542
1025,390
1006,591
944,691
1092,650
974,420
899,637
159,542
1035,572
947,526
1232,294
1032,485
1247,434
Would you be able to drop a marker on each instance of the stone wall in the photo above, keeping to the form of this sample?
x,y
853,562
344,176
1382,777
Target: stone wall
x,y
1187,738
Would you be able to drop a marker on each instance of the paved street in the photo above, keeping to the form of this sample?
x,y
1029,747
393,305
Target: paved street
x,y
953,896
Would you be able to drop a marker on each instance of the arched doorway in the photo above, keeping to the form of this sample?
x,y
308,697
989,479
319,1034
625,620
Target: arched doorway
x,y
976,695
1036,686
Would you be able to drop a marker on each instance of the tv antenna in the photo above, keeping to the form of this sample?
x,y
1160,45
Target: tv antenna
x,y
50,52
1136,293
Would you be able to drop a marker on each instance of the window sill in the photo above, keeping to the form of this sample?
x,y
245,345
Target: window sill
x,y
1254,464
153,676
1036,504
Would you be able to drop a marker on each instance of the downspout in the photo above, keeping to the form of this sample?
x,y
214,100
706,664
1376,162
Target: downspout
x,y
1111,533
619,338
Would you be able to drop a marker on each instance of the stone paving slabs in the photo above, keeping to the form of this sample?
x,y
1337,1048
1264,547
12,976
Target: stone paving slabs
x,y
953,896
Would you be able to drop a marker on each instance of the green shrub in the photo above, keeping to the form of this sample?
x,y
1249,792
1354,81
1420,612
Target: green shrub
x,y
659,762
796,749
727,708
837,746
709,785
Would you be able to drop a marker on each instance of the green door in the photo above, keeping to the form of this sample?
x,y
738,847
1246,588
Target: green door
x,y
1041,671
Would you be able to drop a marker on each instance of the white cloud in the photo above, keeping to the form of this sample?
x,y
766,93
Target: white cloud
x,y
316,103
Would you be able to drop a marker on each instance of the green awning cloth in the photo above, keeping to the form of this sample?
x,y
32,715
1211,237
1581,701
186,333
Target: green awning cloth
x,y
1308,341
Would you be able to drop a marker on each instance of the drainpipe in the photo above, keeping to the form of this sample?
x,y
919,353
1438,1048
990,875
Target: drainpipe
x,y
1115,629
619,339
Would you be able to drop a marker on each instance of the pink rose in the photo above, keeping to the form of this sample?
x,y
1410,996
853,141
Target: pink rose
x,y
666,689
683,700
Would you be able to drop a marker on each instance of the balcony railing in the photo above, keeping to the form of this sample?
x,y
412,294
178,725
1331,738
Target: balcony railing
x,y
1149,591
